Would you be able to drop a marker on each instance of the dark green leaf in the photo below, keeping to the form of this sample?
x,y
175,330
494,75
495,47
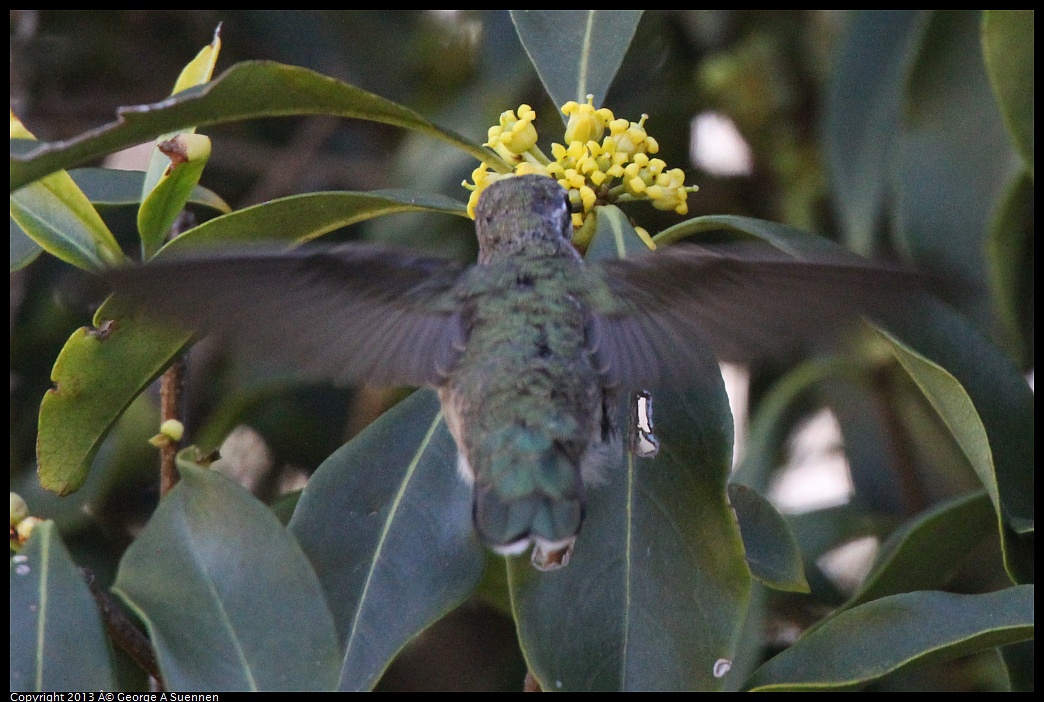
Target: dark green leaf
x,y
109,187
300,218
1007,44
229,599
23,249
1000,396
1009,255
956,409
771,550
926,552
576,52
386,522
245,91
953,159
1020,661
864,643
656,590
614,237
58,641
823,530
864,101
770,425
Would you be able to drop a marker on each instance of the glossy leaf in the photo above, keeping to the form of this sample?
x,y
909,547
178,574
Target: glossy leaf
x,y
109,187
98,374
58,641
998,393
197,72
162,205
770,425
771,550
228,597
1009,255
23,249
655,592
1007,44
386,523
300,218
55,214
174,171
869,641
926,551
247,90
576,52
954,158
864,102
958,412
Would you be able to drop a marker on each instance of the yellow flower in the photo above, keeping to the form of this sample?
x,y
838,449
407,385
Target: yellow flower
x,y
594,167
514,135
585,122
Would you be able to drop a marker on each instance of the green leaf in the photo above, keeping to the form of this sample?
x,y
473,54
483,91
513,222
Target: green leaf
x,y
197,72
164,202
229,599
656,590
771,550
926,551
245,91
956,409
386,522
953,161
23,249
98,373
861,122
109,187
55,214
1009,256
865,643
614,237
177,160
300,218
576,52
771,423
1007,44
997,392
58,641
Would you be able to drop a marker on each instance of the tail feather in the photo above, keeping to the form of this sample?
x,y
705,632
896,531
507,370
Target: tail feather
x,y
532,491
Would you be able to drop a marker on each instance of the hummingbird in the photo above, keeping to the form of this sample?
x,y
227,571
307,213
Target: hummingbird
x,y
528,349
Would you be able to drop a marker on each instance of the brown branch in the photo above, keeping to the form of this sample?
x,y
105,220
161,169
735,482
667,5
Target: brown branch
x,y
170,403
122,630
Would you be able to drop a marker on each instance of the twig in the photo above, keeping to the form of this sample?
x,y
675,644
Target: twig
x,y
170,404
122,630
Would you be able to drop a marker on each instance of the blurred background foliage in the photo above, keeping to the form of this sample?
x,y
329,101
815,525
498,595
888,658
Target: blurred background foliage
x,y
878,130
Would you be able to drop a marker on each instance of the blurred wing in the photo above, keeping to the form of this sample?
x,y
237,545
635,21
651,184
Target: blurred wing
x,y
745,300
352,314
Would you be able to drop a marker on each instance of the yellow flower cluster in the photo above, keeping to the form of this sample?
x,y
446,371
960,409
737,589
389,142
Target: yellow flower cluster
x,y
596,168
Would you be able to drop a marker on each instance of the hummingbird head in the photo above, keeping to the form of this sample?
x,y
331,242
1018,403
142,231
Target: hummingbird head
x,y
527,214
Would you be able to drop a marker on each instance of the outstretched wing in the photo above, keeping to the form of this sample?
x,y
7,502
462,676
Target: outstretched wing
x,y
743,299
352,313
